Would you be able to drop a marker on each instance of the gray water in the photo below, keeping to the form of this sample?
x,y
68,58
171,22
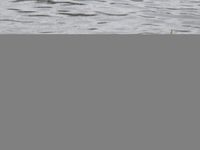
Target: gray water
x,y
99,16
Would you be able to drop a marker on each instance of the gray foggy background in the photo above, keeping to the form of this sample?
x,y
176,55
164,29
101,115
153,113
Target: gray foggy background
x,y
96,96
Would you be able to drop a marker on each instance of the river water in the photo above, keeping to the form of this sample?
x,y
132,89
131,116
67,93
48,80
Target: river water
x,y
99,16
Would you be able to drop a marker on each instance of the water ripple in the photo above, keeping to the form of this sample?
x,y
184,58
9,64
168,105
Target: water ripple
x,y
100,16
73,14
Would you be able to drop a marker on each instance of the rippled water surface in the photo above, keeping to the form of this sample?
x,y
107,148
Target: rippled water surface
x,y
99,16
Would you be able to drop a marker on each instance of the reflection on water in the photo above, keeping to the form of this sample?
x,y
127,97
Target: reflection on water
x,y
100,16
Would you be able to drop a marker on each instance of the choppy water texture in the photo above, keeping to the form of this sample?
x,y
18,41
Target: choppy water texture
x,y
99,16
